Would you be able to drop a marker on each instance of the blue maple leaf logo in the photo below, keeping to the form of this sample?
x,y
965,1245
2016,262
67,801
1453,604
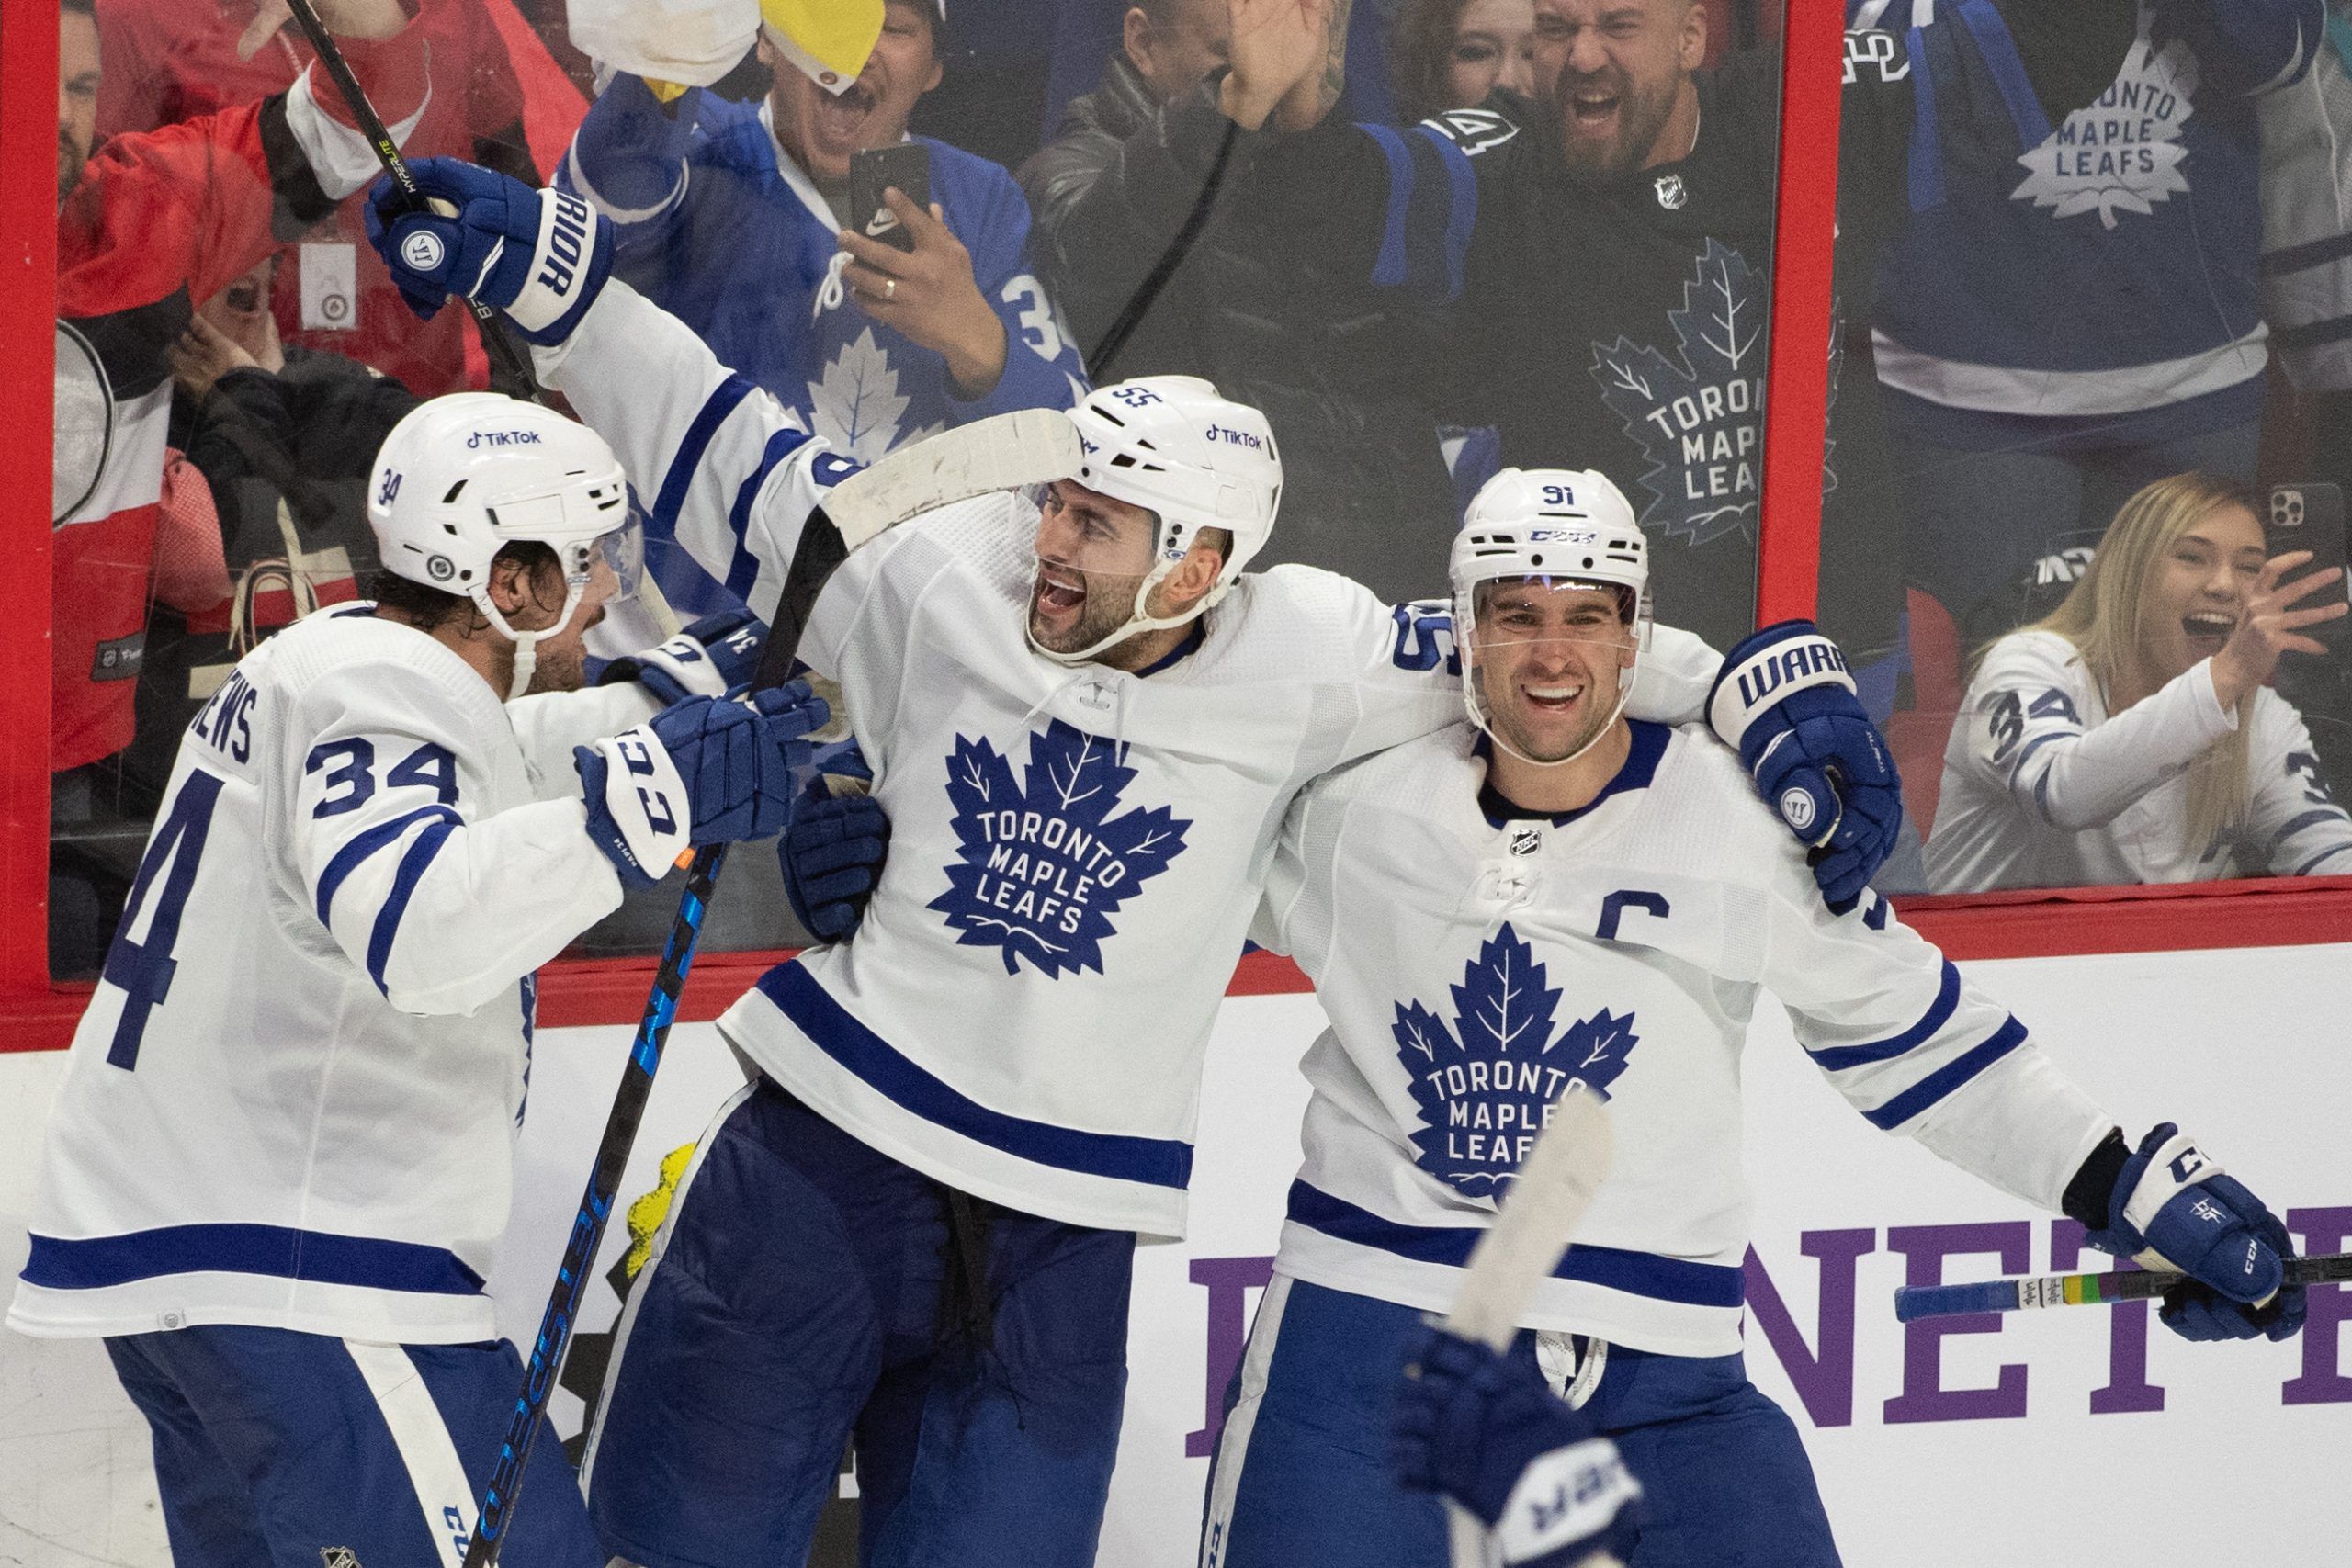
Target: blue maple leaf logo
x,y
1699,415
1044,864
1486,1085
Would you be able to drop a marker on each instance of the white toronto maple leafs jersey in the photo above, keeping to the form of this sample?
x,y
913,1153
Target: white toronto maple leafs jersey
x,y
1074,853
2043,788
293,1098
1474,967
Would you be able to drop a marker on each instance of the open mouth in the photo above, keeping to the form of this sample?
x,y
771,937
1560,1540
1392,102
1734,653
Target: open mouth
x,y
841,118
1058,596
1592,109
2207,630
1556,699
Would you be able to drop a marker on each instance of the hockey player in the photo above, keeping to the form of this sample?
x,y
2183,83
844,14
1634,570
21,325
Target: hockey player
x,y
915,1226
281,1155
2131,736
735,217
1553,894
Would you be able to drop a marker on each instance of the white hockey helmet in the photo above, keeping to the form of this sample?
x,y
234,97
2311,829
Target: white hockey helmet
x,y
1175,447
461,477
1569,528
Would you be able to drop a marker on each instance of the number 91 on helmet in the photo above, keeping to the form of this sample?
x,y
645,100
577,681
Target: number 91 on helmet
x,y
461,477
1550,610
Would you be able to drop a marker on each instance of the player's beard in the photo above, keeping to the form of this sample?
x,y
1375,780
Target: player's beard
x,y
72,156
1109,604
1595,710
560,667
1642,114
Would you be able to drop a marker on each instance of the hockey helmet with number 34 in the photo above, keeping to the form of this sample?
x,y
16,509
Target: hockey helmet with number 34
x,y
461,477
1565,527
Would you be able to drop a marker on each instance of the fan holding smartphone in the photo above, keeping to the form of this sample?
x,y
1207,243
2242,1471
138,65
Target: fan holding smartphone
x,y
908,271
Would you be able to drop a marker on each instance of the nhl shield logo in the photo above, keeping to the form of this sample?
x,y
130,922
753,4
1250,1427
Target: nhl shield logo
x,y
338,1557
1525,840
1672,194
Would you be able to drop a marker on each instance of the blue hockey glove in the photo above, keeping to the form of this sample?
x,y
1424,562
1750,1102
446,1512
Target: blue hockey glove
x,y
700,772
1489,1434
709,659
1786,704
2170,1197
539,255
832,856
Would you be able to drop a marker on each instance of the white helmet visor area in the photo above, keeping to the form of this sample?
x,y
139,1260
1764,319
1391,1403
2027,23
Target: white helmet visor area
x,y
1553,640
621,550
1083,532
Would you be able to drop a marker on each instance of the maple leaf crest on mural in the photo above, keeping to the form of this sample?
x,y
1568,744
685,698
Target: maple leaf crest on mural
x,y
1484,1084
1044,864
857,405
1698,414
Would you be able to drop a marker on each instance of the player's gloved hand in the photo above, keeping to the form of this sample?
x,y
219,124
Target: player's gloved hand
x,y
701,772
1786,704
539,255
2171,1198
1489,1434
709,659
832,856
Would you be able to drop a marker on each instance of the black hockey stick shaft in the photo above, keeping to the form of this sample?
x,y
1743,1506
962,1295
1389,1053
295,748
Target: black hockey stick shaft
x,y
822,548
388,153
1914,1302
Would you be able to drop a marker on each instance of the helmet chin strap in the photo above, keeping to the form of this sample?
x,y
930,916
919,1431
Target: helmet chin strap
x,y
1140,621
526,644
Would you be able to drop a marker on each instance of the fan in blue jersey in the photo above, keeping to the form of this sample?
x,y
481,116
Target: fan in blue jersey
x,y
1559,894
914,1230
732,217
283,1151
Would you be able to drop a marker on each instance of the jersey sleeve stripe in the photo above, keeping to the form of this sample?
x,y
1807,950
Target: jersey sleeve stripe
x,y
1388,265
2314,863
1161,1162
404,880
2036,744
680,475
1947,1079
2308,819
361,845
281,1252
745,569
1837,1058
1616,1269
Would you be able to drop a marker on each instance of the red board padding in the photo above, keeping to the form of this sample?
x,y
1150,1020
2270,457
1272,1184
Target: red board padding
x,y
2280,912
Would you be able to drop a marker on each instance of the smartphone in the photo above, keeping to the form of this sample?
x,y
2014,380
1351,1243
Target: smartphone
x,y
906,166
2309,516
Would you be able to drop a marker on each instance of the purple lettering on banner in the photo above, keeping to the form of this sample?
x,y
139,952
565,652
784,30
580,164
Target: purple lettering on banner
x,y
1229,1281
2323,1382
1924,1397
1824,1379
2128,1389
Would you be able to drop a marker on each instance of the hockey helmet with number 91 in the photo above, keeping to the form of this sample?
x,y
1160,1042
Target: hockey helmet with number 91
x,y
1563,527
1174,447
461,477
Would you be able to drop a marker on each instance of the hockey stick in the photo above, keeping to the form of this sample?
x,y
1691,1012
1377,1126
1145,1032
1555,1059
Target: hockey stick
x,y
1030,446
388,153
1554,1187
1913,1302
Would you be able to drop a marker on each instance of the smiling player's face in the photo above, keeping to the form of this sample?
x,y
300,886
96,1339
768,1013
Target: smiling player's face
x,y
2197,593
1093,555
1550,659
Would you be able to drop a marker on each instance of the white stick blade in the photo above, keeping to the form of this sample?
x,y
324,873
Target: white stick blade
x,y
1554,1186
1004,452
